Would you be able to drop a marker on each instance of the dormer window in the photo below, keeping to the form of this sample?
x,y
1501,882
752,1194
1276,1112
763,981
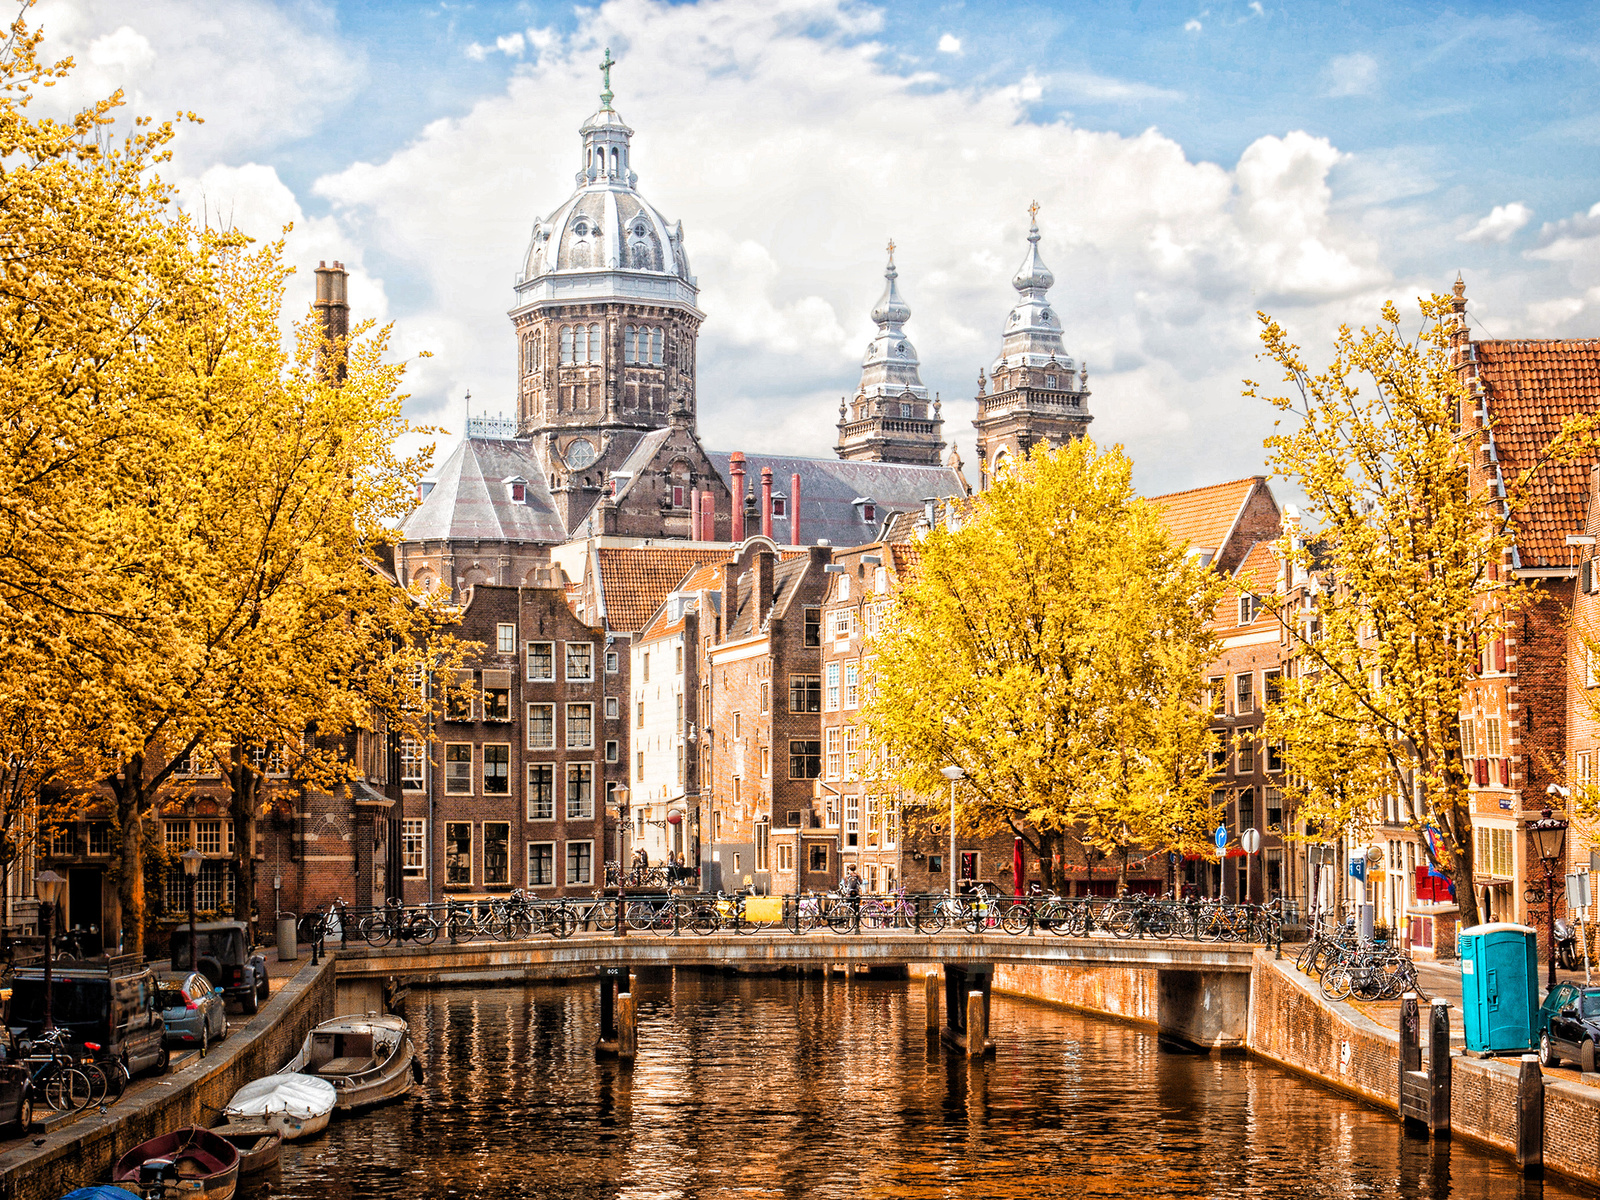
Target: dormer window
x,y
779,506
907,410
1050,381
869,512
517,489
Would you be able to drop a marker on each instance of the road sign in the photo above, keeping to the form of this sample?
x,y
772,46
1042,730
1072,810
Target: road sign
x,y
1358,868
1221,836
1250,839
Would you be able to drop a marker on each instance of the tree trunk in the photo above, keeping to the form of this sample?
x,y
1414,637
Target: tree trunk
x,y
128,788
1122,872
244,782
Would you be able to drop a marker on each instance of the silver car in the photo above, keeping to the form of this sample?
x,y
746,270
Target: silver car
x,y
195,1012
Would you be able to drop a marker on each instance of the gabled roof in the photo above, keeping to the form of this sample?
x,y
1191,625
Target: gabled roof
x,y
787,575
829,489
1205,516
635,580
1533,386
469,499
1257,574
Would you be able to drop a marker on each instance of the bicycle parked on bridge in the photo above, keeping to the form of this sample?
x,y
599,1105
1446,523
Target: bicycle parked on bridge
x,y
394,923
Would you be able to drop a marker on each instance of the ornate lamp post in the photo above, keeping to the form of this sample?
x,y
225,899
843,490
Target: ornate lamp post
x,y
47,887
954,775
619,796
192,859
1549,836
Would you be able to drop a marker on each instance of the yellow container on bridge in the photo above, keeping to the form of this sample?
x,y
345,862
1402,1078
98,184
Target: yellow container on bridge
x,y
765,910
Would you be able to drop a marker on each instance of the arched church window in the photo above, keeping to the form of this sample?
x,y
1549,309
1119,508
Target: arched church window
x,y
614,161
580,344
566,344
594,343
627,343
655,346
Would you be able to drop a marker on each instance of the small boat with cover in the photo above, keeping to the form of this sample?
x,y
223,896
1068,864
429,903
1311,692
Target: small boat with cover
x,y
189,1160
297,1106
368,1059
258,1143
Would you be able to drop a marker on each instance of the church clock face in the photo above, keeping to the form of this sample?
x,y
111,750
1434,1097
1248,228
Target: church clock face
x,y
580,454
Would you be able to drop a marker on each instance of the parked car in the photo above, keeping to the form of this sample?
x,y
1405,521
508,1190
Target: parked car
x,y
227,960
110,1008
194,1012
1569,1019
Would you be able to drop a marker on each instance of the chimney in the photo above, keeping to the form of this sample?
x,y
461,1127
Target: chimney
x,y
333,312
694,514
762,582
736,470
708,516
730,602
929,510
794,513
766,502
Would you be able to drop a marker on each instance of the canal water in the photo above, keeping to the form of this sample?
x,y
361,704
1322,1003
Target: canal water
x,y
785,1087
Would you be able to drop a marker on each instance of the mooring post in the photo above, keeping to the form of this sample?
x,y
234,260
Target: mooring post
x,y
1439,1068
627,1027
930,990
977,1025
1530,1117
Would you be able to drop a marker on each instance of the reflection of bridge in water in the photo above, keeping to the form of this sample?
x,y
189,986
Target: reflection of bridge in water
x,y
1202,989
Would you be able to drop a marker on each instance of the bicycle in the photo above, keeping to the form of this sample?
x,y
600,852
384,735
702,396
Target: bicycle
x,y
398,924
54,1074
894,912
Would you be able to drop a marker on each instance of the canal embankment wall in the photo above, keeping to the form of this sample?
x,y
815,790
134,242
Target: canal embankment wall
x,y
83,1152
1291,1025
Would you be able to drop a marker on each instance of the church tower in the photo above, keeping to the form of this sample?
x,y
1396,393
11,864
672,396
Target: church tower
x,y
605,320
890,419
1039,393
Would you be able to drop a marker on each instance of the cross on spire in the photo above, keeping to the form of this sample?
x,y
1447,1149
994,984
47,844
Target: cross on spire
x,y
891,248
1033,211
605,72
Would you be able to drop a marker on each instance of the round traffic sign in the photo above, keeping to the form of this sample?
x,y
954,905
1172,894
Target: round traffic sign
x,y
1250,840
1221,836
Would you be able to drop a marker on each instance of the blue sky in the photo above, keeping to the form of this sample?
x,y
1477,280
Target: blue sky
x,y
1193,162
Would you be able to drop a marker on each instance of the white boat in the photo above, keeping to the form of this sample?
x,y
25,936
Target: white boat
x,y
368,1059
297,1105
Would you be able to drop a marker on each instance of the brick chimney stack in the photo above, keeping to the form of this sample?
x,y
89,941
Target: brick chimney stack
x,y
736,470
766,502
794,513
333,311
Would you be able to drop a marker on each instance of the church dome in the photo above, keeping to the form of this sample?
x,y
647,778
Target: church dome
x,y
607,239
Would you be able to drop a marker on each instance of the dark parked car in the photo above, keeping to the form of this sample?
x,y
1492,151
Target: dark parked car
x,y
111,1008
227,960
194,1012
1569,1024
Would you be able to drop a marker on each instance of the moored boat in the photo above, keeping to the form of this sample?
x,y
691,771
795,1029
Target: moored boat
x,y
368,1059
196,1160
297,1106
258,1143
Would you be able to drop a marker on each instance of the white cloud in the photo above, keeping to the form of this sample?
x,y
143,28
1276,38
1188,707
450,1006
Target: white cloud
x,y
260,74
950,44
1351,75
1192,25
1161,260
1086,85
511,45
1503,221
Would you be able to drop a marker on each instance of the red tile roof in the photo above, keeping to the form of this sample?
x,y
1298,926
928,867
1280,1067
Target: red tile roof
x,y
636,579
1533,386
1203,516
1257,574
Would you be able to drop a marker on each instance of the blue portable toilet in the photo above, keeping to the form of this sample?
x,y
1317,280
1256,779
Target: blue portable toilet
x,y
1499,986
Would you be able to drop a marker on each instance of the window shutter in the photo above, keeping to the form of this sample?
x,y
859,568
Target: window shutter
x,y
496,679
1499,654
1586,575
1480,770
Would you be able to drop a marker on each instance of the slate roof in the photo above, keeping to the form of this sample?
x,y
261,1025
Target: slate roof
x,y
469,501
787,575
1204,516
1533,386
829,488
635,580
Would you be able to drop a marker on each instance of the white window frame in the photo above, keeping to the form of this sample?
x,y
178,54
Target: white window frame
x,y
505,825
587,876
529,671
472,847
852,683
505,638
585,810
830,687
587,649
449,779
413,764
832,752
527,795
548,743
552,880
611,708
585,712
414,847
506,746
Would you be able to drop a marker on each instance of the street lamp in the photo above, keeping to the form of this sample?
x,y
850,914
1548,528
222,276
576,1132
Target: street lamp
x,y
1549,839
48,886
954,775
619,796
192,859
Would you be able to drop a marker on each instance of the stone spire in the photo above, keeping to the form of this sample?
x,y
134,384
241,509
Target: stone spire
x,y
889,419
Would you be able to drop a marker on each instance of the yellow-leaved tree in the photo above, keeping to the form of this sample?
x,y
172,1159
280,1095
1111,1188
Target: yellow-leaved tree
x,y
1404,578
1051,646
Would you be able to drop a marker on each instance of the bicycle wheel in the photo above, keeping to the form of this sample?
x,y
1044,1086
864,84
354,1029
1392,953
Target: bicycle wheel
x,y
703,919
1336,983
67,1090
424,929
99,1085
375,930
1123,924
641,914
841,918
931,920
1017,919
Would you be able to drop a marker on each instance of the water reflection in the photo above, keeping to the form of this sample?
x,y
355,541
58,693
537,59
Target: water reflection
x,y
756,1087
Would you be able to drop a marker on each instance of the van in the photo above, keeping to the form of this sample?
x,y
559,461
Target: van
x,y
113,1004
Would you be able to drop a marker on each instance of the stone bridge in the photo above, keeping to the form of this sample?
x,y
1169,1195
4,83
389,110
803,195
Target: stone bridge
x,y
1203,987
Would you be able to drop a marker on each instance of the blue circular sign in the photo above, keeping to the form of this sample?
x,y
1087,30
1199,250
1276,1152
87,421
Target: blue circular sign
x,y
1221,836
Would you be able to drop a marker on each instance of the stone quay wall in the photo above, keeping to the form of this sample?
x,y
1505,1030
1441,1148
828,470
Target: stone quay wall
x,y
82,1153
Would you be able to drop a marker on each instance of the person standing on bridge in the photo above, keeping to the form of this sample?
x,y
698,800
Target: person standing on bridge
x,y
850,889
